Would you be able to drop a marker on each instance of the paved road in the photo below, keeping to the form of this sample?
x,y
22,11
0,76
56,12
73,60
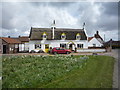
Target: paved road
x,y
116,73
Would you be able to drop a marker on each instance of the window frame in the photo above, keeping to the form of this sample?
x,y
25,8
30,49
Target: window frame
x,y
38,47
63,36
80,45
44,36
63,45
77,36
94,45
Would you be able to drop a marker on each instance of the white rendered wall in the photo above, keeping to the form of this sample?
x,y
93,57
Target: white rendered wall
x,y
55,43
21,47
94,41
26,46
31,45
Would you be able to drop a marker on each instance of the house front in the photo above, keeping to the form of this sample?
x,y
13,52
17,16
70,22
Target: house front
x,y
9,45
46,38
96,41
24,46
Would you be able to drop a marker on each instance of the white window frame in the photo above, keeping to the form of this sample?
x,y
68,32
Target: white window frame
x,y
44,36
77,37
62,37
39,46
64,45
94,45
80,45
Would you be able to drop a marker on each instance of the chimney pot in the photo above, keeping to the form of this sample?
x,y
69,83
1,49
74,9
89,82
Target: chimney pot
x,y
97,32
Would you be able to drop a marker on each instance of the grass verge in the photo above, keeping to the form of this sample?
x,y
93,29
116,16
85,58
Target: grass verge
x,y
57,72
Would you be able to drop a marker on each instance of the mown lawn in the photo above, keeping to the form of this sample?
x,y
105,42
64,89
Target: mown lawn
x,y
57,71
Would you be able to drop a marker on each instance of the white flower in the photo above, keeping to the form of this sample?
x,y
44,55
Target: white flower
x,y
0,78
67,70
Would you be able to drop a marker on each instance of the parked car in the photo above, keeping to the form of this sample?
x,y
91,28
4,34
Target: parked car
x,y
36,51
32,51
40,51
59,50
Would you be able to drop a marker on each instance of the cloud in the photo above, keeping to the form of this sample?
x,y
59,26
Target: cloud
x,y
17,18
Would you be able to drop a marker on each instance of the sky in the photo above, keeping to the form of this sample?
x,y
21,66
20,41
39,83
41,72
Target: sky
x,y
17,18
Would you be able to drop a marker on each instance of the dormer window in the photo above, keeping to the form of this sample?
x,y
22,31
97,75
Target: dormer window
x,y
78,36
44,36
63,36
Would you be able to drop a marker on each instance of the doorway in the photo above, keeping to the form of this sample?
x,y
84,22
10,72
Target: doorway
x,y
46,48
4,49
72,46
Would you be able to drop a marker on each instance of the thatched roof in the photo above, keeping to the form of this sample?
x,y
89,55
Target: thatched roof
x,y
36,33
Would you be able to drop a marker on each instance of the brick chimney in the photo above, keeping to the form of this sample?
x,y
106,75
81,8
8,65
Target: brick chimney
x,y
53,29
8,36
97,32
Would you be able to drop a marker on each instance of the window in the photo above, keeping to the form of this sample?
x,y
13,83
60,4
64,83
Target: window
x,y
16,45
57,48
79,45
62,49
94,45
44,36
78,36
26,46
63,45
63,36
46,46
37,46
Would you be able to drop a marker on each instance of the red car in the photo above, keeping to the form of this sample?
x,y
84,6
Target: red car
x,y
59,50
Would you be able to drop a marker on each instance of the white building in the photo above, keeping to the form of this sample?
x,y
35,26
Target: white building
x,y
44,38
24,46
95,41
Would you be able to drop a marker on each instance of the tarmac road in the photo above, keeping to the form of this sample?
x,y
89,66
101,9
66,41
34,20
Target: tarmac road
x,y
116,74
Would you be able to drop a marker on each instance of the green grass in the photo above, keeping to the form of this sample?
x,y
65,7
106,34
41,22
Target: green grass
x,y
57,72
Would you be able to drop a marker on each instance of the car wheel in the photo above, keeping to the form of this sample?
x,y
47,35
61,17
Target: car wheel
x,y
68,52
55,53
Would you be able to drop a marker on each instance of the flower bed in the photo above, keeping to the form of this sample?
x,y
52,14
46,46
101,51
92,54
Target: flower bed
x,y
27,71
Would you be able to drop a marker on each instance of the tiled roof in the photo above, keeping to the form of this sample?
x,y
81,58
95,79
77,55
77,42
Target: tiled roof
x,y
24,39
36,33
112,43
89,38
10,40
98,36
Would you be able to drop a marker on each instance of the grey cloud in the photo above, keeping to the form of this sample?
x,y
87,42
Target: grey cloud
x,y
54,4
111,8
17,18
106,21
